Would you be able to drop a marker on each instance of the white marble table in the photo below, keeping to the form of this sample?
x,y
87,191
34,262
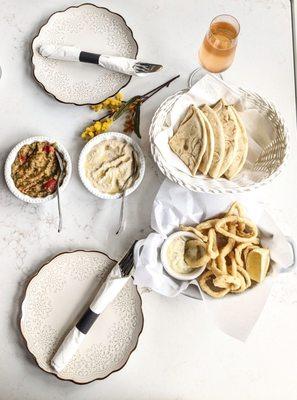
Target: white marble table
x,y
180,355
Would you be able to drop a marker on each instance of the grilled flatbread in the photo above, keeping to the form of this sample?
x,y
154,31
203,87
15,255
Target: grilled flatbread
x,y
219,141
190,140
242,150
209,151
231,132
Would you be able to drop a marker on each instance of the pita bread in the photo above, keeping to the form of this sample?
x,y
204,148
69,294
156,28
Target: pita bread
x,y
242,150
231,132
209,151
190,140
219,141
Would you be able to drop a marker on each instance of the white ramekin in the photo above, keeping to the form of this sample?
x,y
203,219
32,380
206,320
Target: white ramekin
x,y
181,277
11,157
98,139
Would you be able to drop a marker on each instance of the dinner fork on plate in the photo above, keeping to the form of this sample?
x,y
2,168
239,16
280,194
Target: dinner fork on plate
x,y
142,67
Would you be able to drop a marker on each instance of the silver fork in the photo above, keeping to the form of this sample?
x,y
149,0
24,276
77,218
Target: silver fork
x,y
134,170
146,67
61,166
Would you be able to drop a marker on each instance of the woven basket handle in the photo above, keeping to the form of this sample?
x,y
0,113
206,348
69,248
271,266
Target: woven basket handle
x,y
292,243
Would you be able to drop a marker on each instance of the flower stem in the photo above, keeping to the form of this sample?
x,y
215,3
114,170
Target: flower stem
x,y
149,94
109,114
140,99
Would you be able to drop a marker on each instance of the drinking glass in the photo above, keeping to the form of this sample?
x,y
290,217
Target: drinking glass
x,y
218,48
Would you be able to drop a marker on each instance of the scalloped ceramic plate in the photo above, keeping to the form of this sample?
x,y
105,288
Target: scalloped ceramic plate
x,y
54,300
90,28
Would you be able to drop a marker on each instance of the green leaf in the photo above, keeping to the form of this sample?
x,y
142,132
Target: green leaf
x,y
137,120
125,107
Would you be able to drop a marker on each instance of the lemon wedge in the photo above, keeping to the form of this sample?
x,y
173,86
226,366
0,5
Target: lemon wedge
x,y
257,264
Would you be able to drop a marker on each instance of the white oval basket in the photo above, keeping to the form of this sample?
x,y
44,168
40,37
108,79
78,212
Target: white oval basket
x,y
269,164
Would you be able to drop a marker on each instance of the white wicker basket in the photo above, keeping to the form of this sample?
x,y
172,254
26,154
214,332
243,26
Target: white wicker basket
x,y
270,162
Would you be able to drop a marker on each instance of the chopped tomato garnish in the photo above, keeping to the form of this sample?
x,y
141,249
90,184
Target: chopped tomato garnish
x,y
23,159
50,185
49,149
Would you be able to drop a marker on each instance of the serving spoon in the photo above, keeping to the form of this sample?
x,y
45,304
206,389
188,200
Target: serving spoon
x,y
61,166
125,186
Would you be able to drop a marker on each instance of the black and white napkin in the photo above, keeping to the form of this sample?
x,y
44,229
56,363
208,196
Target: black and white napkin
x,y
70,53
106,294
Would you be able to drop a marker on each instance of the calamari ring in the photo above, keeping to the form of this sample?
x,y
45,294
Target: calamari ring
x,y
225,251
238,252
224,246
232,278
220,227
235,209
201,261
222,265
207,224
207,289
195,231
214,268
227,281
242,286
246,276
224,280
242,233
233,264
212,248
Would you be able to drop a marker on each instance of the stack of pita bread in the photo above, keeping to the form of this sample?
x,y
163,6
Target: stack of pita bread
x,y
211,140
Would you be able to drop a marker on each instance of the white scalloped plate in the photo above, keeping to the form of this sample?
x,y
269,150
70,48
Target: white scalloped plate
x,y
54,300
11,157
94,142
90,28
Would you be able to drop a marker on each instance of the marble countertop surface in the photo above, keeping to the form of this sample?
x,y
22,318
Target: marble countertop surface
x,y
180,356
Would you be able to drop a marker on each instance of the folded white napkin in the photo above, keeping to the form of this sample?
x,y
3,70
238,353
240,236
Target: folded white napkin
x,y
106,294
70,53
174,205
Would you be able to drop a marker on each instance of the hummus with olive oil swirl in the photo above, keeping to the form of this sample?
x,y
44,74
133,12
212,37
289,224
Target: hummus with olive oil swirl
x,y
110,166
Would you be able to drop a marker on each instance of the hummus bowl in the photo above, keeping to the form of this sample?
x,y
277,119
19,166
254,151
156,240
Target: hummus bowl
x,y
91,146
12,157
185,276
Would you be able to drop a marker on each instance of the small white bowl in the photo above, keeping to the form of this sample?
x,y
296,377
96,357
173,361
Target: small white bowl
x,y
98,139
182,277
11,157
